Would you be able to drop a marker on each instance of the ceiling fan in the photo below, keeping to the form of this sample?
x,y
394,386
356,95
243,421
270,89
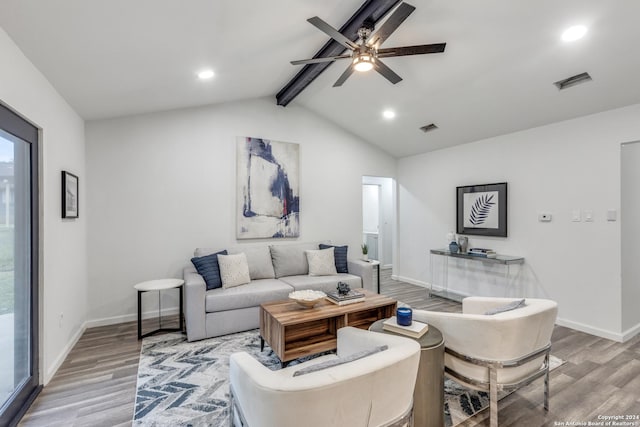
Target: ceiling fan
x,y
365,52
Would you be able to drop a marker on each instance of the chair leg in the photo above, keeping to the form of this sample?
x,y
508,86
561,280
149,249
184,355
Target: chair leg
x,y
493,397
546,383
231,403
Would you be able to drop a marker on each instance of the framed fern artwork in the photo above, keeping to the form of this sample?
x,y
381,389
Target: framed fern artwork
x,y
482,210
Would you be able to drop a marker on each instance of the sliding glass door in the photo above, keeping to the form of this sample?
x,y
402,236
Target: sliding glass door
x,y
18,266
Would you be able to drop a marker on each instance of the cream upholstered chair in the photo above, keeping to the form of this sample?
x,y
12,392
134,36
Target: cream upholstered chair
x,y
496,352
374,390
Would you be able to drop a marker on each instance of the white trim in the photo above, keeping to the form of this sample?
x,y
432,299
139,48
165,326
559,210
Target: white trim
x,y
410,280
63,354
630,333
592,330
106,321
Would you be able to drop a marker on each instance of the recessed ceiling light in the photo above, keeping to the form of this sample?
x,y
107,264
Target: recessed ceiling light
x,y
388,114
574,33
206,74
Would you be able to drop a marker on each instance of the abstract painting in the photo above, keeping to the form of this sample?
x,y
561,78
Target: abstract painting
x,y
482,210
268,190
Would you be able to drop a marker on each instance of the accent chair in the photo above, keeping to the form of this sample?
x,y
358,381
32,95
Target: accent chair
x,y
369,382
495,352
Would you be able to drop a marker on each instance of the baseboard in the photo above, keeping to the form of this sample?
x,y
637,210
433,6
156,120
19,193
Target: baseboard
x,y
630,333
63,355
602,333
411,281
106,321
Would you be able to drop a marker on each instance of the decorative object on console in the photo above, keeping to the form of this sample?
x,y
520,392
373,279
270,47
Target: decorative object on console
x,y
268,190
307,298
481,252
453,247
482,210
463,244
404,316
70,194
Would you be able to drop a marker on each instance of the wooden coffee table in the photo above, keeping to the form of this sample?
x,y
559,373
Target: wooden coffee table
x,y
293,331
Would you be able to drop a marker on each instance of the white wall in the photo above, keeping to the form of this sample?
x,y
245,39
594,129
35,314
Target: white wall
x,y
63,288
166,185
556,168
630,212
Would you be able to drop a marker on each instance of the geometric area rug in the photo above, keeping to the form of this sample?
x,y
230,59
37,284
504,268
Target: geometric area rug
x,y
187,384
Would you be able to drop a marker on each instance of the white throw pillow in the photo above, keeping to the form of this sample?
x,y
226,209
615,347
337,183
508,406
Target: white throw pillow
x,y
234,270
321,262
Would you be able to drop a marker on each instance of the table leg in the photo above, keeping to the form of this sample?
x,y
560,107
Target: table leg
x,y
181,320
261,344
378,277
139,315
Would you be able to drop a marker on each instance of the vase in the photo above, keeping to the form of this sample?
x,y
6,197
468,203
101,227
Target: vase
x,y
365,257
463,243
453,247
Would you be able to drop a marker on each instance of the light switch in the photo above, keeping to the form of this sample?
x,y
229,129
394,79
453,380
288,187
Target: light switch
x,y
612,215
576,216
588,216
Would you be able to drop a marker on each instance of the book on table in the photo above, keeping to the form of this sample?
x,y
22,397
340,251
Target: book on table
x,y
351,297
415,330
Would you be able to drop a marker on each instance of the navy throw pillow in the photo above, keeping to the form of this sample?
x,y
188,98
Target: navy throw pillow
x,y
209,269
340,255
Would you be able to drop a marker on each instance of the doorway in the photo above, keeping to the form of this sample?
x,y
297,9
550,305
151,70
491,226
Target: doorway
x,y
19,215
378,218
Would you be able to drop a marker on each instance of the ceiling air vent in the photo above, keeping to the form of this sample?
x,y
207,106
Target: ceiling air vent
x,y
573,80
428,128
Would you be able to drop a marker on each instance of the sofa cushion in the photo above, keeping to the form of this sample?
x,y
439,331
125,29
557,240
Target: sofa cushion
x,y
321,262
322,283
207,266
250,295
259,260
340,253
290,260
234,270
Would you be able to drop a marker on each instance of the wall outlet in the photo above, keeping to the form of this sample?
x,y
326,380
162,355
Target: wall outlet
x,y
612,215
544,217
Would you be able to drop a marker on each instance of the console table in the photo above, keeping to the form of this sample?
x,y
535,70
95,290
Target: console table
x,y
504,260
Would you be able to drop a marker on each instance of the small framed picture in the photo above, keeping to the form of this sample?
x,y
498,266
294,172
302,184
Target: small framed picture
x,y
70,194
482,210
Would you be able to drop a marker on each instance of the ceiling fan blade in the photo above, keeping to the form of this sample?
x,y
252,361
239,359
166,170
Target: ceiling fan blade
x,y
332,32
411,50
386,72
344,76
390,25
318,60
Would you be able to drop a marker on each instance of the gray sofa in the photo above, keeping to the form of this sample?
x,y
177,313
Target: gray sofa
x,y
275,271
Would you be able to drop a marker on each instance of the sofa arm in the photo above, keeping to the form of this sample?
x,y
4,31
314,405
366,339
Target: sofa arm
x,y
195,291
363,269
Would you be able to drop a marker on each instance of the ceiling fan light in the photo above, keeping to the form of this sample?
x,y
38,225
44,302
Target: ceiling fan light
x,y
363,63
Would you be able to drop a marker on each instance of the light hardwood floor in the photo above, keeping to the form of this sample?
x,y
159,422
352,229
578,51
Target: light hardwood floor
x,y
95,386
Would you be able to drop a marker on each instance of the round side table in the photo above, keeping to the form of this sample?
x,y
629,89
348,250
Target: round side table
x,y
159,285
428,395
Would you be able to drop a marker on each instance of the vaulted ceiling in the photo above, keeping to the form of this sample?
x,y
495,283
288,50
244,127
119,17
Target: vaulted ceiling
x,y
121,57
